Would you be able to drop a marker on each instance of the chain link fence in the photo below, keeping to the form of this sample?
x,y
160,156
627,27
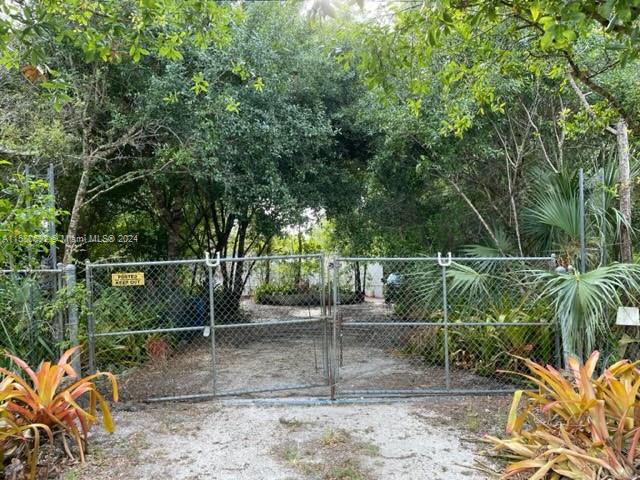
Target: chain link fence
x,y
187,329
149,324
428,325
34,313
271,325
317,326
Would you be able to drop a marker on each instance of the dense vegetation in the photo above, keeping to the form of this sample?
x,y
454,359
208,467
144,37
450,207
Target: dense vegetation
x,y
289,128
242,128
225,143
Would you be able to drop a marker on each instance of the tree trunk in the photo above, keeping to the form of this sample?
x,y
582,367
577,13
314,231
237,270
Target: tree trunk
x,y
626,251
478,214
74,220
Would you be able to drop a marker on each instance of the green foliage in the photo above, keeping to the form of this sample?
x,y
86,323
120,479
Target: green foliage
x,y
482,293
283,294
111,31
26,328
470,49
582,301
116,311
25,207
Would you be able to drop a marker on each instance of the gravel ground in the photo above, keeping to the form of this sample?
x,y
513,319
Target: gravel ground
x,y
428,439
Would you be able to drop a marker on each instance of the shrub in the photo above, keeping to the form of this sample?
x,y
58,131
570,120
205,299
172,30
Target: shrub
x,y
48,400
485,348
265,292
114,311
574,426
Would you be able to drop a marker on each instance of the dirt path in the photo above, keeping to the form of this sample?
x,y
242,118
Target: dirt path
x,y
347,442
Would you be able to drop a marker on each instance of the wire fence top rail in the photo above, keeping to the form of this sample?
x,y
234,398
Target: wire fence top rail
x,y
192,261
436,259
105,263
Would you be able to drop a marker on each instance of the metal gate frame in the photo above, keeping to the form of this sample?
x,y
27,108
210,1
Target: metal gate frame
x,y
92,335
330,320
443,263
215,328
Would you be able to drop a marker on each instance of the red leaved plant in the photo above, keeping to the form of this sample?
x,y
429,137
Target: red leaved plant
x,y
49,399
18,439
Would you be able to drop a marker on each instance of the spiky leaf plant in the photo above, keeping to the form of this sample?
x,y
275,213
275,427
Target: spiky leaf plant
x,y
574,427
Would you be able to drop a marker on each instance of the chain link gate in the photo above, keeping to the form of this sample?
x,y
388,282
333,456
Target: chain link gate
x,y
149,323
195,329
428,325
316,326
271,326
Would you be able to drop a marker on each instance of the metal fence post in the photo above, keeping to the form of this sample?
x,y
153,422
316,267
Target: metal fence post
x,y
445,311
445,314
70,283
583,251
212,319
323,313
333,370
90,321
557,334
59,320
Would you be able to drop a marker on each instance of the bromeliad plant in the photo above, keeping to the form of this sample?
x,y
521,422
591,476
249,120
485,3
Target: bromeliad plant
x,y
48,399
576,426
18,439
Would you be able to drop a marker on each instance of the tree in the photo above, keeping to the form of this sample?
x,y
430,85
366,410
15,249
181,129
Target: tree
x,y
256,133
108,30
70,50
466,50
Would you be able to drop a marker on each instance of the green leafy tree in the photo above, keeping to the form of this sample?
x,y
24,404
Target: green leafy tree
x,y
109,31
25,210
465,53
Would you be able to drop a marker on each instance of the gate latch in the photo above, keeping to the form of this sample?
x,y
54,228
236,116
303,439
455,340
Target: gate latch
x,y
444,262
207,260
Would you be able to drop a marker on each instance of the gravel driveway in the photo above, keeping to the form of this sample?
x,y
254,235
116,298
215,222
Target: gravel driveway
x,y
404,440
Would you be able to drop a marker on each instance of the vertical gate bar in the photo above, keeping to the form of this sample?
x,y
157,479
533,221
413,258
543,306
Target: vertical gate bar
x,y
334,336
59,321
90,324
323,312
212,320
445,312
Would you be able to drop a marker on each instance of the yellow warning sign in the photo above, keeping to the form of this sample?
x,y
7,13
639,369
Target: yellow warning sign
x,y
127,279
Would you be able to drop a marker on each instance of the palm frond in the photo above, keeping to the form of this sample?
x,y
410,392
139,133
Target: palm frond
x,y
581,301
466,281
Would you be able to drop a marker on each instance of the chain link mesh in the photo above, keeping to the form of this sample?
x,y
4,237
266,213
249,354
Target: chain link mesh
x,y
411,325
149,325
287,324
271,327
157,332
31,315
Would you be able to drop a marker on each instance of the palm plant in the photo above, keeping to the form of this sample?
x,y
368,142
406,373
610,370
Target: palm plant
x,y
581,301
551,223
551,217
